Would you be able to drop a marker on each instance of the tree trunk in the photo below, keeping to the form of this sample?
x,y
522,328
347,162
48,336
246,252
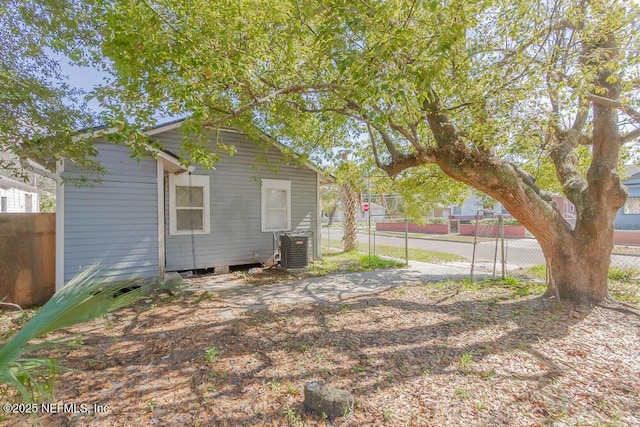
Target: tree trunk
x,y
578,258
349,225
585,282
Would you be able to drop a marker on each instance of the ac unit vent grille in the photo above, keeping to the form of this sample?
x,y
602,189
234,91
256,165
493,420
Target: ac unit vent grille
x,y
293,250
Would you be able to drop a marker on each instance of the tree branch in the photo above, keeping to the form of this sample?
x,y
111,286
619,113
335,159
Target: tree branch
x,y
568,174
634,134
581,115
612,103
393,151
441,127
399,162
375,150
408,135
299,88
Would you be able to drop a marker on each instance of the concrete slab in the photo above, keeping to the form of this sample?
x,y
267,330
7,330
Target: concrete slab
x,y
339,287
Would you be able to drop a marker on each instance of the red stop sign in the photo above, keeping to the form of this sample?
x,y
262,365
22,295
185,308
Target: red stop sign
x,y
365,207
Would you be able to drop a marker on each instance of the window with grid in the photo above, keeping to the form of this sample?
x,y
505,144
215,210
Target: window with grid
x,y
276,205
189,204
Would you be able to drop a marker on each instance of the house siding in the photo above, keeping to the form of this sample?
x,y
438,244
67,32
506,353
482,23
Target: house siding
x,y
235,207
113,222
16,200
629,221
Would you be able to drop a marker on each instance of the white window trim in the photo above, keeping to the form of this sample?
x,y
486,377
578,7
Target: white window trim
x,y
196,181
275,184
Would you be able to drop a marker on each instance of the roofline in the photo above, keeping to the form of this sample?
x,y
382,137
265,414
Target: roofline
x,y
99,131
7,183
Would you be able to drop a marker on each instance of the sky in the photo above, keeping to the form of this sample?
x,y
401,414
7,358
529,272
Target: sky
x,y
83,78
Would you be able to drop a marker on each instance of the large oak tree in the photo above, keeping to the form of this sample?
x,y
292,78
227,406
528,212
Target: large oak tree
x,y
491,92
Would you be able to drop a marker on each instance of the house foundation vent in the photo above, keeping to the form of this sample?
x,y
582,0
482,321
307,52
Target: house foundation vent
x,y
293,249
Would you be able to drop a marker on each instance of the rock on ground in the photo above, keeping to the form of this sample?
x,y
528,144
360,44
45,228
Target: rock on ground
x,y
327,400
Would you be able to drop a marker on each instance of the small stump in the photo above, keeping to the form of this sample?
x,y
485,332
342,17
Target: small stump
x,y
327,401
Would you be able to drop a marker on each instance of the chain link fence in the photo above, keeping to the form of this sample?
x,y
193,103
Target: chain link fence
x,y
489,243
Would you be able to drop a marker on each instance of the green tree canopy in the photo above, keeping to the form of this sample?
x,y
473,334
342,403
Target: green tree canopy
x,y
40,112
512,97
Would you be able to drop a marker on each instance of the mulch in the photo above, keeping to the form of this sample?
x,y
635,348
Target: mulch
x,y
433,354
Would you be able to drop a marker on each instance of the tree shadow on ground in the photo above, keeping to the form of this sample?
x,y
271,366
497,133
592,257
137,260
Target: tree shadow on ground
x,y
366,344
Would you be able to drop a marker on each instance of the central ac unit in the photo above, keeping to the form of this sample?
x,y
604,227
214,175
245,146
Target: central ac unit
x,y
293,250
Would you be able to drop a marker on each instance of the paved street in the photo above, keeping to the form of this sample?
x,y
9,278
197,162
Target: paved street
x,y
518,252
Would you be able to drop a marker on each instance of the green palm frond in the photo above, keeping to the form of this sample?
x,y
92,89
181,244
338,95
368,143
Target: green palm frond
x,y
85,297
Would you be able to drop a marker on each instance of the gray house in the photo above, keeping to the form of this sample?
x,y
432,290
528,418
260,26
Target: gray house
x,y
145,217
628,217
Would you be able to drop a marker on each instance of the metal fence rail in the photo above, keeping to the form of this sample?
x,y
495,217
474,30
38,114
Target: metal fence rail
x,y
498,249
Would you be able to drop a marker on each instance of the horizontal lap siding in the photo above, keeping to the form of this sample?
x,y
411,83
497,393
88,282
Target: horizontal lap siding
x,y
235,206
629,221
113,222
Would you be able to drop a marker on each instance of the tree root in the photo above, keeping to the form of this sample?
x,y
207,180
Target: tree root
x,y
611,304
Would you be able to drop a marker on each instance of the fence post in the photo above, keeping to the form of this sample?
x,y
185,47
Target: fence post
x,y
374,240
501,223
495,257
406,241
475,240
369,217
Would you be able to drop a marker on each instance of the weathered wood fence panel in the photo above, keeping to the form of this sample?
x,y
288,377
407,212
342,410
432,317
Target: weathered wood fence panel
x,y
27,258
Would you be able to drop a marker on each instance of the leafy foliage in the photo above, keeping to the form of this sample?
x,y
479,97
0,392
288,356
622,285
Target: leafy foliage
x,y
514,98
40,112
85,297
319,76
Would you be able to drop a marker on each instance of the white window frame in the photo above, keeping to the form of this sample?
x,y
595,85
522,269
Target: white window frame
x,y
631,205
275,184
184,181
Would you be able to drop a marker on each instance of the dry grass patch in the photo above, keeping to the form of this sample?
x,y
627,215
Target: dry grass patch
x,y
435,354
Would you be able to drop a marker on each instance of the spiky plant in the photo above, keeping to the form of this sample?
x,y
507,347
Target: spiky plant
x,y
85,297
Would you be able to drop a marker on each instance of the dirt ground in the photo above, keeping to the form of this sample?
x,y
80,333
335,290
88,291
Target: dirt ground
x,y
423,355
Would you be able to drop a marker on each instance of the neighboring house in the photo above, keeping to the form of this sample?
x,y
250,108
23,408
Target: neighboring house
x,y
148,216
19,196
628,217
465,211
567,209
376,211
471,205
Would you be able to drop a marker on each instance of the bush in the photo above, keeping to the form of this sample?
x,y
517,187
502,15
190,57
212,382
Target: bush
x,y
437,220
495,221
622,274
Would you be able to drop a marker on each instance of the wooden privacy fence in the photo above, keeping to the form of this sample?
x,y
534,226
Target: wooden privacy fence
x,y
27,258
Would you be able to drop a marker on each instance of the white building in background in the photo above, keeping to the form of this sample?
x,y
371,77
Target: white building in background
x,y
377,213
18,196
468,209
24,185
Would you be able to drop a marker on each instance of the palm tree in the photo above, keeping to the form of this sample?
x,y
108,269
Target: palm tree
x,y
349,199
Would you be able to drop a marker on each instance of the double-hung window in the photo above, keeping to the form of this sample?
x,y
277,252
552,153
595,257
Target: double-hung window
x,y
189,204
276,205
